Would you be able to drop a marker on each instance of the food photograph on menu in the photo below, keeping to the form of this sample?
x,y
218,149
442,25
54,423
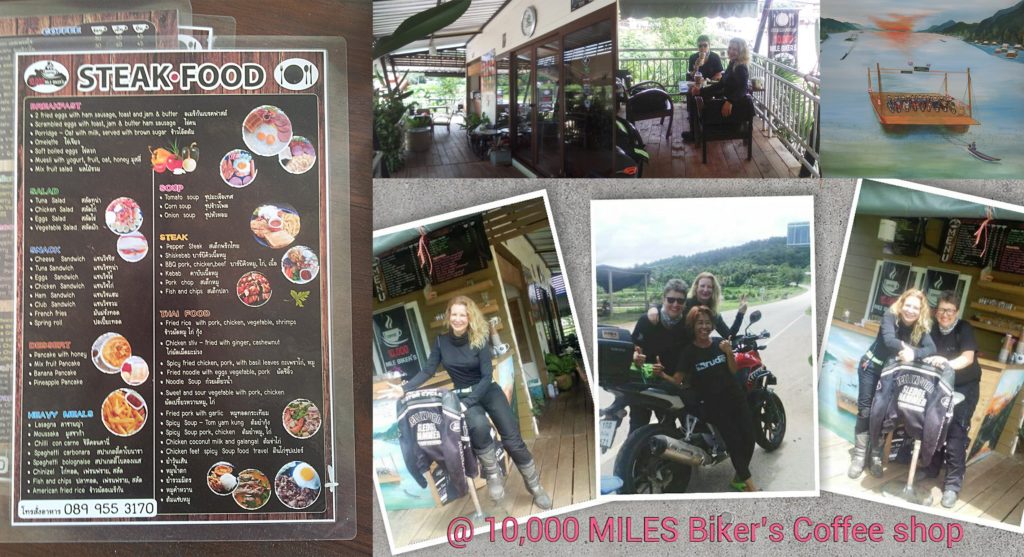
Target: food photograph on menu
x,y
919,89
482,403
705,347
923,364
172,361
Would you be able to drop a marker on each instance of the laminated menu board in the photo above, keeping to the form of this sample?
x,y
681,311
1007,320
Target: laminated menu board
x,y
1011,253
28,27
173,349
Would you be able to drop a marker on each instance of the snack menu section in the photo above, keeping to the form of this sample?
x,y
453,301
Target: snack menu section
x,y
173,359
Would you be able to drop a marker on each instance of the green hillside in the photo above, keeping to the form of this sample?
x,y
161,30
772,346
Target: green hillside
x,y
759,263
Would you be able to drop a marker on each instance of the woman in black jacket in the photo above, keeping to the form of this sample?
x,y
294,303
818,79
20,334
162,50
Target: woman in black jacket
x,y
903,335
466,354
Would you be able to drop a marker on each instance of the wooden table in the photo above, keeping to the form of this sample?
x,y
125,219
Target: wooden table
x,y
350,19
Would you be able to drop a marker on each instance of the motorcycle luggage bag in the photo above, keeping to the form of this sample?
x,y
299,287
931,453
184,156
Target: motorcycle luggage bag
x,y
614,356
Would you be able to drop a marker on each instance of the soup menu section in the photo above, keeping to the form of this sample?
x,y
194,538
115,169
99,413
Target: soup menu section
x,y
172,356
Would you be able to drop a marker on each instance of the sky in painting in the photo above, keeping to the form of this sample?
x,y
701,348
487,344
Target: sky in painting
x,y
932,11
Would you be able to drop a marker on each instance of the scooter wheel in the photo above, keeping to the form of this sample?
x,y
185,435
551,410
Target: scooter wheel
x,y
643,473
769,420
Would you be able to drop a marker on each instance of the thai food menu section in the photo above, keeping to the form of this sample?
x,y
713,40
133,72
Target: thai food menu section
x,y
172,354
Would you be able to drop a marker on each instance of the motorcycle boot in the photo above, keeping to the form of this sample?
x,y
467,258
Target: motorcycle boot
x,y
489,466
860,451
875,462
532,479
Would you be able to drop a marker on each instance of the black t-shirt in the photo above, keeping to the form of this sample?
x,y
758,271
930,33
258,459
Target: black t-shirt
x,y
950,346
708,369
657,340
712,65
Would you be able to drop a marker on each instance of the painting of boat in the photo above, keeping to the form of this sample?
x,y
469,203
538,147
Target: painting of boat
x,y
898,110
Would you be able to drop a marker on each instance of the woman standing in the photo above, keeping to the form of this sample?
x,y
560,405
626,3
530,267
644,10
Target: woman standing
x,y
955,345
656,340
903,335
466,354
710,365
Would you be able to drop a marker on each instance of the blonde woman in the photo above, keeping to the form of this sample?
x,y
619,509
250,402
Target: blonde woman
x,y
732,87
903,335
466,354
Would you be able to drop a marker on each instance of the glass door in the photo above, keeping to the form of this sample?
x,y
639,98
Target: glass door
x,y
521,127
589,101
547,116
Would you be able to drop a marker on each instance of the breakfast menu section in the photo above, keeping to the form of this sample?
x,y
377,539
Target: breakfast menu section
x,y
172,354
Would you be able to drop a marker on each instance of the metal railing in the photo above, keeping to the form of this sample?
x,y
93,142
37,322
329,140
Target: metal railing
x,y
788,102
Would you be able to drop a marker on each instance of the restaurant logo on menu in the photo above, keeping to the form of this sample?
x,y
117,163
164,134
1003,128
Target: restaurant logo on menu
x,y
168,77
46,76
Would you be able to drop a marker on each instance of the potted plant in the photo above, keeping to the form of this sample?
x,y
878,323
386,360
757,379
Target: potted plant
x,y
389,102
561,368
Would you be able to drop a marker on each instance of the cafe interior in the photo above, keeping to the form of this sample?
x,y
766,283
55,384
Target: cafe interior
x,y
562,98
903,238
506,260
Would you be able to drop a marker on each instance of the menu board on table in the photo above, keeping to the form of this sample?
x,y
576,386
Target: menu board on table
x,y
95,31
172,361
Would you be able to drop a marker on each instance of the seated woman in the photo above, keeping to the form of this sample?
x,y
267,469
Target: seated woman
x,y
466,355
735,105
709,366
903,335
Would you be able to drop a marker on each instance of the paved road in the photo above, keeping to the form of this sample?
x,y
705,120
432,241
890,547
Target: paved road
x,y
791,466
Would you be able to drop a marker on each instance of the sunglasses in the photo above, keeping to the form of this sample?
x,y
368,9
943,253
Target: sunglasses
x,y
671,300
945,311
703,45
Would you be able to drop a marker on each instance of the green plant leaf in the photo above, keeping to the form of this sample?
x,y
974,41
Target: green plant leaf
x,y
421,25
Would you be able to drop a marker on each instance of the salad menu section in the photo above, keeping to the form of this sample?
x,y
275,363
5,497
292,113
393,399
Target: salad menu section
x,y
172,356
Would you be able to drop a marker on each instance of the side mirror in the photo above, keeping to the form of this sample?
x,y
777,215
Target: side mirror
x,y
756,316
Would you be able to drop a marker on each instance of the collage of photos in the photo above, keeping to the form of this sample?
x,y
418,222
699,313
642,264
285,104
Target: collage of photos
x,y
921,368
509,277
506,429
705,346
710,380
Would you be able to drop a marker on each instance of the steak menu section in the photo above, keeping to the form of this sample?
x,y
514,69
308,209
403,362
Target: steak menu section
x,y
172,361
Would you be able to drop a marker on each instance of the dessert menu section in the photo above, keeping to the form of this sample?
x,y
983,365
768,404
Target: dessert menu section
x,y
172,356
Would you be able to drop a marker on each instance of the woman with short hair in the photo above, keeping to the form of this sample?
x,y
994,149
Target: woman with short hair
x,y
709,366
657,339
955,344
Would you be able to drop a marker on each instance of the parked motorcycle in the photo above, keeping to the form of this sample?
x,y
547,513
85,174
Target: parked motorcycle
x,y
660,457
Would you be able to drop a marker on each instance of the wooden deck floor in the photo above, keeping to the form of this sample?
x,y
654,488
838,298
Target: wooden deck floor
x,y
564,452
449,156
993,488
673,158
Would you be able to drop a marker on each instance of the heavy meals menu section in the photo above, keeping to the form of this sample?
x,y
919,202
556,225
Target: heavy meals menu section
x,y
172,352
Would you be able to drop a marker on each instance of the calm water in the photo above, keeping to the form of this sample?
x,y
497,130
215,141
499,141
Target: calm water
x,y
853,142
